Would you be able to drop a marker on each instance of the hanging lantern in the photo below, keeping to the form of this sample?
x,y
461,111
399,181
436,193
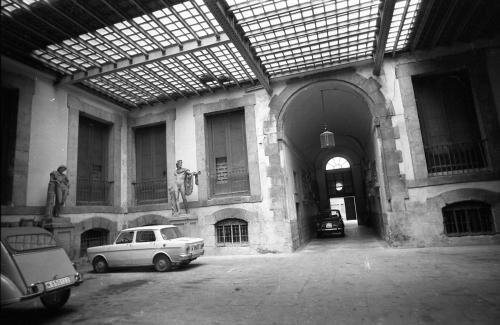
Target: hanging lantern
x,y
326,137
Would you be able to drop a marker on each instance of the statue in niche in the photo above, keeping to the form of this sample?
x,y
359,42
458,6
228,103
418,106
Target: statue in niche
x,y
57,192
183,186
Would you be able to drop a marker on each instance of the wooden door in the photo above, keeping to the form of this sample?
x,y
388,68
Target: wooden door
x,y
151,164
228,154
92,162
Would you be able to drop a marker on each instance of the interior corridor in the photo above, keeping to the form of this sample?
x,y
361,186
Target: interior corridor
x,y
356,237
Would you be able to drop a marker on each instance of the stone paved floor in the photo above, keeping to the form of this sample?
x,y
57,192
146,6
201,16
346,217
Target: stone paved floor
x,y
351,280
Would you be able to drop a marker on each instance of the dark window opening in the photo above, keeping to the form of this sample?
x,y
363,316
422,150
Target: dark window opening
x,y
92,188
448,123
151,165
9,111
339,183
228,153
467,218
93,237
145,236
231,231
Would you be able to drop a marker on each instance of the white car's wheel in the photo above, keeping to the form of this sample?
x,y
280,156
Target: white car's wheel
x,y
162,263
100,265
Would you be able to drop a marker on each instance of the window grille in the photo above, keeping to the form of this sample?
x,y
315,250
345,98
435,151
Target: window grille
x,y
231,231
93,237
467,218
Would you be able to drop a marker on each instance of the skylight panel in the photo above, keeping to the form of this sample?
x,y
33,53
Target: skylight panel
x,y
305,29
403,20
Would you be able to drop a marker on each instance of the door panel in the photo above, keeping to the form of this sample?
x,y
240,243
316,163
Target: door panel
x,y
228,156
350,207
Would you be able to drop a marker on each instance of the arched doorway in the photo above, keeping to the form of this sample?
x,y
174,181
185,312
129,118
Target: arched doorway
x,y
340,187
357,113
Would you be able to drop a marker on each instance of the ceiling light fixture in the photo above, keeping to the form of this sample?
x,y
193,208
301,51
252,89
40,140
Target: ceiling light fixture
x,y
326,137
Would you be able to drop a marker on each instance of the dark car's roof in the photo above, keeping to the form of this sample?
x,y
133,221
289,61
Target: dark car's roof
x,y
14,231
326,214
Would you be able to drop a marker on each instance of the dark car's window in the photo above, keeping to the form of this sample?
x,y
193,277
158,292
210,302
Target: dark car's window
x,y
145,236
170,233
32,241
335,213
125,237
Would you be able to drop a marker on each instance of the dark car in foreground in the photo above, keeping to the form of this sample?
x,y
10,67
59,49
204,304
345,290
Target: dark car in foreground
x,y
330,223
33,266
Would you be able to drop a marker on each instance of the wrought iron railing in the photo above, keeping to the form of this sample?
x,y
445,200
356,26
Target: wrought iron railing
x,y
455,158
151,191
93,192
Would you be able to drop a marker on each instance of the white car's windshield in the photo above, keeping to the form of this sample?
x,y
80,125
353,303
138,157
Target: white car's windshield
x,y
125,237
170,233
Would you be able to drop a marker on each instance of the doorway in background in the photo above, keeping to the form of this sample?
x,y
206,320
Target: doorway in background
x,y
346,205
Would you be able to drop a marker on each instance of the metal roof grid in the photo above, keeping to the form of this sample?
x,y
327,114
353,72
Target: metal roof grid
x,y
205,13
137,85
102,86
128,38
229,61
144,51
403,20
141,35
101,83
141,77
250,75
197,70
177,69
118,80
208,60
152,78
168,76
287,33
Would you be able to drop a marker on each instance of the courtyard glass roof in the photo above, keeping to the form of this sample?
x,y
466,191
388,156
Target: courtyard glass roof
x,y
148,53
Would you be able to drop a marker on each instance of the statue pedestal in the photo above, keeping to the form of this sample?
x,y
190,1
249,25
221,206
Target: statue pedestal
x,y
62,229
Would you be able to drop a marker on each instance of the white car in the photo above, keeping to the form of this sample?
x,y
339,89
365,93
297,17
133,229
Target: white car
x,y
162,246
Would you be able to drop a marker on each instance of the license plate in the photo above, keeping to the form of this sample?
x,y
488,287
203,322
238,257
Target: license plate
x,y
57,283
328,225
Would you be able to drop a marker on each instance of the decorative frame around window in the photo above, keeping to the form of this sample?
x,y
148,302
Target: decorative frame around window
x,y
468,218
231,232
200,111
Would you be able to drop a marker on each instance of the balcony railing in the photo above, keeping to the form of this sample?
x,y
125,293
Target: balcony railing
x,y
455,158
93,192
151,191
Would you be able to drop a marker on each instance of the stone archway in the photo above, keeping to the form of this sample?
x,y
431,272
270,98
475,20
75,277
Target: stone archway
x,y
95,222
232,213
392,182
